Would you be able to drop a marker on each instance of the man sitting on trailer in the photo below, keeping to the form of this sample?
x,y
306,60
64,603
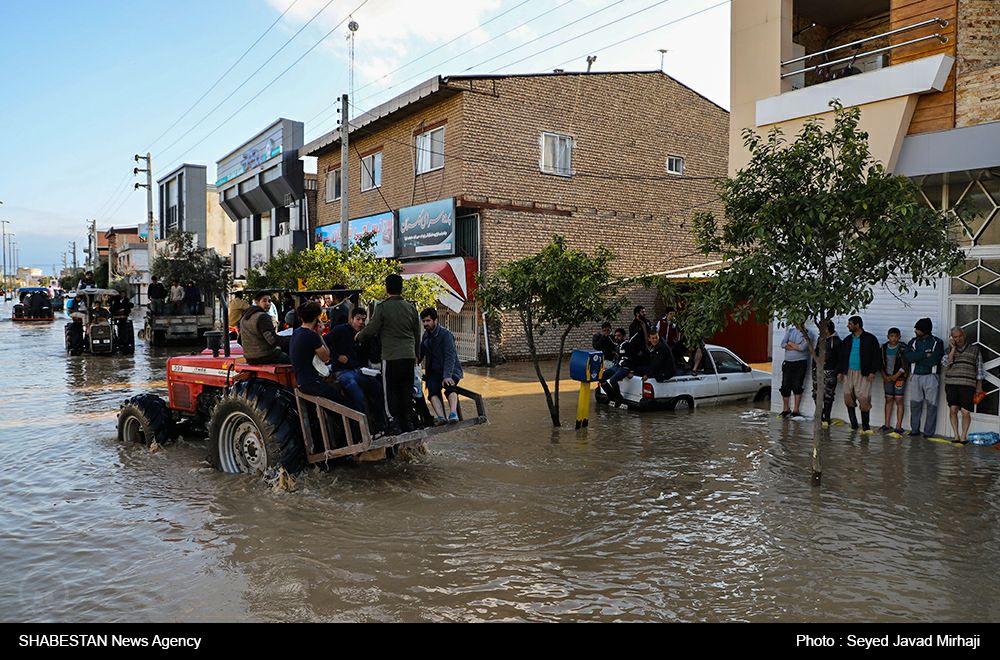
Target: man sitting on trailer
x,y
661,365
258,337
346,360
307,345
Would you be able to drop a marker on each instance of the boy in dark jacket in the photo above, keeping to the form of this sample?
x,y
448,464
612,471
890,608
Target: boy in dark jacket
x,y
860,361
443,367
830,365
895,369
602,342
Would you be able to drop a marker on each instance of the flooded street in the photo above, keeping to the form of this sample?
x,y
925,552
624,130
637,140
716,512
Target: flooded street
x,y
656,517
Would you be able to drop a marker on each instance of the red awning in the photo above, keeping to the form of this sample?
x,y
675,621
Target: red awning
x,y
457,275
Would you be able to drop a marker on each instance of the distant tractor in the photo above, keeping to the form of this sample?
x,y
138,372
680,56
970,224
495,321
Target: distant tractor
x,y
93,329
255,418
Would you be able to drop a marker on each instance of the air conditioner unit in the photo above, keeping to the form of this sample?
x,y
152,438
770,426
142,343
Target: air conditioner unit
x,y
283,229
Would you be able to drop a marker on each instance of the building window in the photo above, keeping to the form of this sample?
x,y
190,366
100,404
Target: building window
x,y
333,185
557,154
430,150
371,171
675,165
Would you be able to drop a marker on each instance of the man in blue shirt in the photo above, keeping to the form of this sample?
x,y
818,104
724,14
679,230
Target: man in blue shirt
x,y
443,368
793,368
306,345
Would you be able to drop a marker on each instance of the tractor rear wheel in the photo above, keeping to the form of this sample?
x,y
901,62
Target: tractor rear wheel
x,y
255,428
143,419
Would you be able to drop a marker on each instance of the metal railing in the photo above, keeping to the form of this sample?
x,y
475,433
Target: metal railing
x,y
937,35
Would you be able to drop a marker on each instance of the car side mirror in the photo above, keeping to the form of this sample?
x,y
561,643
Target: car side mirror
x,y
747,369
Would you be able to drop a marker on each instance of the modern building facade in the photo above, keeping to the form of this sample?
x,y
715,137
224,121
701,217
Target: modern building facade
x,y
261,187
187,202
925,75
464,173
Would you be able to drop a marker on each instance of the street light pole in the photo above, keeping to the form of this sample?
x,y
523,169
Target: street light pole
x,y
3,226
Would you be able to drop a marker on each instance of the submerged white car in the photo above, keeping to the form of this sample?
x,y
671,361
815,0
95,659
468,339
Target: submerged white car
x,y
724,377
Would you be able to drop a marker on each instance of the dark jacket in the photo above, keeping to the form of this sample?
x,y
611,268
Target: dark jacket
x,y
192,295
340,341
438,348
397,324
901,361
833,348
157,291
257,334
605,345
632,353
661,365
924,354
871,358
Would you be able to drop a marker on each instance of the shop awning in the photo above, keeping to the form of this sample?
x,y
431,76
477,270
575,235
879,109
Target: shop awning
x,y
457,275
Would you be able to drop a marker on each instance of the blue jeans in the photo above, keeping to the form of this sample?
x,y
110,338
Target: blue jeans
x,y
611,382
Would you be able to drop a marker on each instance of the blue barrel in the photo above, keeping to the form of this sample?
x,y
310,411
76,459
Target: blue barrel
x,y
586,366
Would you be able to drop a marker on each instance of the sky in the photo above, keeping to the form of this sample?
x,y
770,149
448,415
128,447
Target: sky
x,y
84,86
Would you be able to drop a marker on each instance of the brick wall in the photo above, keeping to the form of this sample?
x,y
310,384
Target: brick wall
x,y
623,125
978,88
400,186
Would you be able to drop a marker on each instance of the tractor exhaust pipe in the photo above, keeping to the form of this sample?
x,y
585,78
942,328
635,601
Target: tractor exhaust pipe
x,y
214,339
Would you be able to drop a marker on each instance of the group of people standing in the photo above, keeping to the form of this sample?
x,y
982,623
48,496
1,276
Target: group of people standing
x,y
345,348
184,299
911,370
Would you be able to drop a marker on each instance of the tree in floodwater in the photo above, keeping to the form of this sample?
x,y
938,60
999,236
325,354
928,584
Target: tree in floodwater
x,y
557,289
812,226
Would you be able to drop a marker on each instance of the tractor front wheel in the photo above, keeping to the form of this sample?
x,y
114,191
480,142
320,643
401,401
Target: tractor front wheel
x,y
143,419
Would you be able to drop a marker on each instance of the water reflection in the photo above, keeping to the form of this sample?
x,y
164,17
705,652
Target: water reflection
x,y
701,516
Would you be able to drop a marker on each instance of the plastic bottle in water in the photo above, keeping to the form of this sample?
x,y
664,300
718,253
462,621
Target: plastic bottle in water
x,y
987,438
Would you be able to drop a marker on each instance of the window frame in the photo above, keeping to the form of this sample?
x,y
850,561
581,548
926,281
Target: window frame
x,y
365,170
673,171
554,171
337,185
429,136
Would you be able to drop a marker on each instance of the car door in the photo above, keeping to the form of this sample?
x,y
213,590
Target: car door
x,y
735,377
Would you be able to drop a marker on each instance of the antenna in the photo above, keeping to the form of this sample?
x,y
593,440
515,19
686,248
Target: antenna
x,y
590,61
352,28
663,51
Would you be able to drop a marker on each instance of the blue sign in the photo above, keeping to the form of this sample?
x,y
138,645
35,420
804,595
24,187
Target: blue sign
x,y
427,230
383,225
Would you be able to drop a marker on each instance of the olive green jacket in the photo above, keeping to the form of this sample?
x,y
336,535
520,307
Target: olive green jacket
x,y
397,325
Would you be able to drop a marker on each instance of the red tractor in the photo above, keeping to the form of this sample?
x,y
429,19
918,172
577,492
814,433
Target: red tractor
x,y
257,420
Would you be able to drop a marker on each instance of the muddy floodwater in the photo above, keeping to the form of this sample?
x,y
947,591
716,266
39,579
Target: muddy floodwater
x,y
707,515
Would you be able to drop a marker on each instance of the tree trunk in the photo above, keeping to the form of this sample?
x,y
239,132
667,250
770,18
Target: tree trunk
x,y
559,361
820,388
526,321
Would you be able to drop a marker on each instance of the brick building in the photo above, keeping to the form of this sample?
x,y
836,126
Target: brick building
x,y
504,162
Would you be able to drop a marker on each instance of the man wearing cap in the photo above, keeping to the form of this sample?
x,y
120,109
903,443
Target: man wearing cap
x,y
924,353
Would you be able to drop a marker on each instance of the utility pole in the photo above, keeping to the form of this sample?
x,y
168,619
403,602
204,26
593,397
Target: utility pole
x,y
344,160
150,229
3,228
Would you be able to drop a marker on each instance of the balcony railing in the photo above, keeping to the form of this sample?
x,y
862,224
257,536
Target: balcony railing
x,y
851,58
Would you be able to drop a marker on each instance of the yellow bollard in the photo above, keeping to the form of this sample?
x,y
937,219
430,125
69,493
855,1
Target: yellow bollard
x,y
583,407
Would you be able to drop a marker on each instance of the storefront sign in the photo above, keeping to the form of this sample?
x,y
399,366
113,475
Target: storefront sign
x,y
251,155
427,230
382,224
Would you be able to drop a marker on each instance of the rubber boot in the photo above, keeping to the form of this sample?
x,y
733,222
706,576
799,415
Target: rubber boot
x,y
827,412
865,421
852,414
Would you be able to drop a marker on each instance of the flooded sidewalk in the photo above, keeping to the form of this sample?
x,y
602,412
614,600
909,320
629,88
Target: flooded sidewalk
x,y
701,516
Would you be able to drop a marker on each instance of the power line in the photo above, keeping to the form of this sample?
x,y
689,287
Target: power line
x,y
274,80
251,76
113,197
644,33
226,73
450,59
579,36
551,32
